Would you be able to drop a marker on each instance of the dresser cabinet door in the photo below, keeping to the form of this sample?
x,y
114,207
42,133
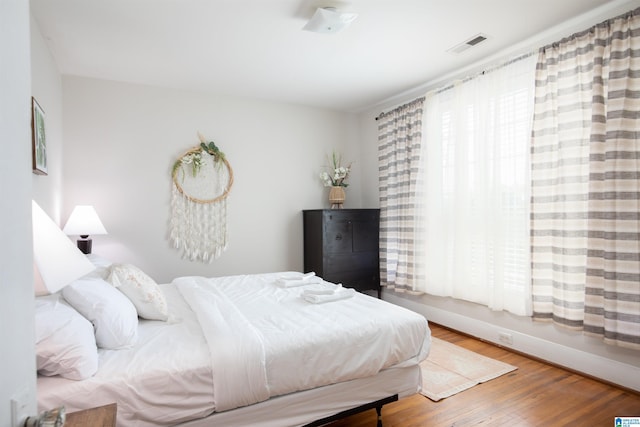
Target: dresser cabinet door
x,y
338,234
366,232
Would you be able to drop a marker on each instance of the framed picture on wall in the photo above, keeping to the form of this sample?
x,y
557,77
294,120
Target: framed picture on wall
x,y
39,140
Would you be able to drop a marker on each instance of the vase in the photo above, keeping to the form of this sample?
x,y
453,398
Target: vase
x,y
336,197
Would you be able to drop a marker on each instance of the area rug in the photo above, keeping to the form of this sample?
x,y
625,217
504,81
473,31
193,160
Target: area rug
x,y
450,369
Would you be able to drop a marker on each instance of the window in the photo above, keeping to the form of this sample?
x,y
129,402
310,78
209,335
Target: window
x,y
476,147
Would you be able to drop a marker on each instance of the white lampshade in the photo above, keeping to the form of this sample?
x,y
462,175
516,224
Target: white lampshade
x,y
329,20
57,262
84,221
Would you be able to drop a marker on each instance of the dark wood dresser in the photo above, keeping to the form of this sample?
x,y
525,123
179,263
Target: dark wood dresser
x,y
341,246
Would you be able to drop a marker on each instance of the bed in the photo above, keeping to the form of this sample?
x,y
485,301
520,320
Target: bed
x,y
244,350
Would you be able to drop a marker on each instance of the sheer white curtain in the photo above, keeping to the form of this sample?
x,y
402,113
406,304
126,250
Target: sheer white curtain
x,y
477,135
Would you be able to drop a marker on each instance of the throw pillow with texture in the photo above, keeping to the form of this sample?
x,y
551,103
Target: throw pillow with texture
x,y
142,290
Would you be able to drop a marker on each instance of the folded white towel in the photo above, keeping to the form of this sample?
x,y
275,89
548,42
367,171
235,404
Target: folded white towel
x,y
335,296
290,283
325,288
298,276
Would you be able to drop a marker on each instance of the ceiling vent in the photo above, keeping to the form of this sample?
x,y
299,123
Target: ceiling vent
x,y
473,41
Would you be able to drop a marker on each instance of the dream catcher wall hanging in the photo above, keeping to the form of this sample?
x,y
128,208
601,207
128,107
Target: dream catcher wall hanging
x,y
202,178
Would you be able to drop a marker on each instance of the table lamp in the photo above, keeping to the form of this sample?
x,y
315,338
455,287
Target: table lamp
x,y
83,222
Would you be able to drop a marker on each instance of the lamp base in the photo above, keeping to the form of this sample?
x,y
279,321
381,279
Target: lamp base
x,y
85,245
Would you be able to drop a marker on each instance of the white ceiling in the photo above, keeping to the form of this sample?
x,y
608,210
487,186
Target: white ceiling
x,y
257,49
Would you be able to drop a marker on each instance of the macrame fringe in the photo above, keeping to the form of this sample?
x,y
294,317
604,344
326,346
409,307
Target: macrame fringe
x,y
198,230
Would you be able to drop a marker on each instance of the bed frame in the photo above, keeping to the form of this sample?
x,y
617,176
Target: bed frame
x,y
377,405
320,406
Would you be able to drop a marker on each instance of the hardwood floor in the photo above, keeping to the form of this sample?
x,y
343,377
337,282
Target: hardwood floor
x,y
536,394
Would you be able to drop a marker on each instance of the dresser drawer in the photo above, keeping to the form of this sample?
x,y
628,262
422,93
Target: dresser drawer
x,y
354,261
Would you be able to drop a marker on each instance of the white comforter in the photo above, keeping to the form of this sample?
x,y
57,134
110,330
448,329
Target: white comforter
x,y
236,340
266,340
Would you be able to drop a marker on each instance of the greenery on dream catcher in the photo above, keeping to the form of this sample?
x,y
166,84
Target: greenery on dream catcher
x,y
202,178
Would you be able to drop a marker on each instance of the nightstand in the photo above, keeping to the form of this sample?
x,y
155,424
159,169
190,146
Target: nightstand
x,y
101,416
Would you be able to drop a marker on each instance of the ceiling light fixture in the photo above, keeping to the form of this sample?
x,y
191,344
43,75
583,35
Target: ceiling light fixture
x,y
329,20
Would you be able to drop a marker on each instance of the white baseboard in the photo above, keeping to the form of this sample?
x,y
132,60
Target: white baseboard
x,y
608,370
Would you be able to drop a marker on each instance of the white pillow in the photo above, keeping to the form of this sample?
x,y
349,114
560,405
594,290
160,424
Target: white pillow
x,y
141,289
114,318
65,344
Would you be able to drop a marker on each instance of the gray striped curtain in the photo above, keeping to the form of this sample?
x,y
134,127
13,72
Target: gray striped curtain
x,y
585,204
401,197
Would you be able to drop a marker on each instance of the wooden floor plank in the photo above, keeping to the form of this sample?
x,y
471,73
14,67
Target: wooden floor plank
x,y
536,394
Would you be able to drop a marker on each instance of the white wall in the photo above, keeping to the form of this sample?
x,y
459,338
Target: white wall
x,y
46,88
17,361
546,341
120,141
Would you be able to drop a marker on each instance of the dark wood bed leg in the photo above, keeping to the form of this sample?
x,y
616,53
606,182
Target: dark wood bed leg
x,y
379,412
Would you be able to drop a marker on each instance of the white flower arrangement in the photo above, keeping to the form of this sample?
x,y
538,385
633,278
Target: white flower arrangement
x,y
194,159
338,173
